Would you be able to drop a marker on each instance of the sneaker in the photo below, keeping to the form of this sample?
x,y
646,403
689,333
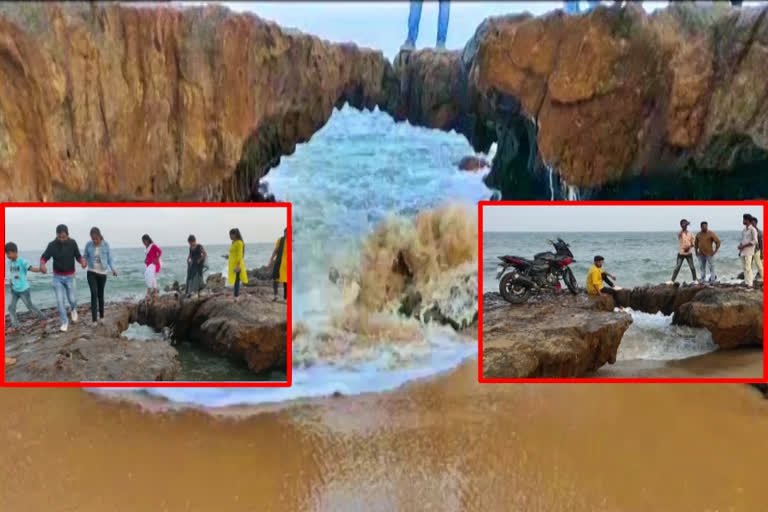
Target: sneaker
x,y
64,327
74,316
670,282
407,46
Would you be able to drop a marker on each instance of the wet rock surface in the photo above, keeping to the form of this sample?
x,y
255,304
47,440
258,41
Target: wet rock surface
x,y
253,330
87,352
553,335
763,388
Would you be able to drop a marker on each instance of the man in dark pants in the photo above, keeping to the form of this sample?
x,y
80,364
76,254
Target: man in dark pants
x,y
686,244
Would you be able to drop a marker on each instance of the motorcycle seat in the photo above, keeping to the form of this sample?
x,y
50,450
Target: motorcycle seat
x,y
518,260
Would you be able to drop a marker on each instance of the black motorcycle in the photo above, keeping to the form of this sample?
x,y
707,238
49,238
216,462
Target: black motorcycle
x,y
518,276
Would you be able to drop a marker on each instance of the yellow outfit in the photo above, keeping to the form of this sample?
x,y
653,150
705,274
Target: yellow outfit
x,y
594,280
283,278
236,251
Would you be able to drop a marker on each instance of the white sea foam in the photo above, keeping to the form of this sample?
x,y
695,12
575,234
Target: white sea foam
x,y
654,338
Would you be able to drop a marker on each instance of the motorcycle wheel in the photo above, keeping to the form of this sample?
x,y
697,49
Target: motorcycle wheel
x,y
570,281
512,290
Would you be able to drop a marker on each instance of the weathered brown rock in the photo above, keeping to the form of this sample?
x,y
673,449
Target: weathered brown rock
x,y
105,100
657,298
609,95
88,353
733,316
472,163
551,336
254,330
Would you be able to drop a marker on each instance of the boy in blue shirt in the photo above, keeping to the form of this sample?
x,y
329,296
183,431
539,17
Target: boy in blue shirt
x,y
17,278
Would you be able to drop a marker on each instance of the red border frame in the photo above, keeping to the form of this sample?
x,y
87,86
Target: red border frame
x,y
156,384
760,204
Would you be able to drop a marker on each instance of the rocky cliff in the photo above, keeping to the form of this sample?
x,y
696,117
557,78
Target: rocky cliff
x,y
617,102
119,102
161,103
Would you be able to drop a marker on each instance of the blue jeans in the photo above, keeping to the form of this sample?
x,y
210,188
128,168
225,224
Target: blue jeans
x,y
572,7
442,21
705,261
64,288
27,300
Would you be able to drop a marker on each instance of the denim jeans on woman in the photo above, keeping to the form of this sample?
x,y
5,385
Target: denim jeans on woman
x,y
64,288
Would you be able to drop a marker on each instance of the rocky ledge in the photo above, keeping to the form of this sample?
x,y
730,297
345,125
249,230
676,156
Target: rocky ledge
x,y
559,335
554,335
616,103
733,314
254,331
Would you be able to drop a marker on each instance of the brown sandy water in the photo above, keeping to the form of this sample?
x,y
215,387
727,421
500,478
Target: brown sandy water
x,y
449,444
743,363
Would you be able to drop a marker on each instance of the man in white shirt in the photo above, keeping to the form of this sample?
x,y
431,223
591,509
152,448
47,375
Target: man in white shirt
x,y
747,249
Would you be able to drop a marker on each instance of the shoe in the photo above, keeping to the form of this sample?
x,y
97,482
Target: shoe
x,y
274,299
10,361
101,321
670,282
64,327
74,316
407,46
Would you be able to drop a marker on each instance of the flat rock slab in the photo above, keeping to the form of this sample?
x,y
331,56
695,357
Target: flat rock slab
x,y
555,335
87,352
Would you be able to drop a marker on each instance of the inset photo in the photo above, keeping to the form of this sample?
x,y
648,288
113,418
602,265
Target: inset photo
x,y
147,293
646,291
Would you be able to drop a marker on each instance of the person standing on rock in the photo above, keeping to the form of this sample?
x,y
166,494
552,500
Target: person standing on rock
x,y
749,241
279,263
758,257
195,267
98,258
686,244
706,253
414,17
65,254
237,273
153,263
17,279
595,278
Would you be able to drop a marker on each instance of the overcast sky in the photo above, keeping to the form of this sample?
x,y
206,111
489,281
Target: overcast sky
x,y
579,218
383,25
33,228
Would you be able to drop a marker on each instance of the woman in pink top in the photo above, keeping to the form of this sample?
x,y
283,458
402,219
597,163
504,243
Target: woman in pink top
x,y
152,262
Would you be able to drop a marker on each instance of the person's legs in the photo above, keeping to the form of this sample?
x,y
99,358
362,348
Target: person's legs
x,y
442,22
607,279
746,263
689,259
712,273
150,280
26,298
702,267
571,7
94,288
71,287
758,259
60,291
414,16
101,283
285,291
237,284
12,309
275,284
679,264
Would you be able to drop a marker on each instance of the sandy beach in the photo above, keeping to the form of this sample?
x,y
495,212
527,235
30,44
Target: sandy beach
x,y
445,444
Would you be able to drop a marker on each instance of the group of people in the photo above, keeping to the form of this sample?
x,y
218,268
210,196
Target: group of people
x,y
97,259
705,245
571,7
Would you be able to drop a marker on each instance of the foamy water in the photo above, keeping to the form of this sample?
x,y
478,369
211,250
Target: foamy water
x,y
654,338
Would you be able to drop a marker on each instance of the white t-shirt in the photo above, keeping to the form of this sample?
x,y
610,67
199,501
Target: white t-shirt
x,y
98,265
749,235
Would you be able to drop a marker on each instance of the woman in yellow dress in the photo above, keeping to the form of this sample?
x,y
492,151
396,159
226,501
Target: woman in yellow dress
x,y
279,263
237,273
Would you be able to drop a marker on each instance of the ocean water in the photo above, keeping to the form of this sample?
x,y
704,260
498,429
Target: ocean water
x,y
636,259
129,283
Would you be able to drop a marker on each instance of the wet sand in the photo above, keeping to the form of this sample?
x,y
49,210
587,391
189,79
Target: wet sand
x,y
745,363
449,444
